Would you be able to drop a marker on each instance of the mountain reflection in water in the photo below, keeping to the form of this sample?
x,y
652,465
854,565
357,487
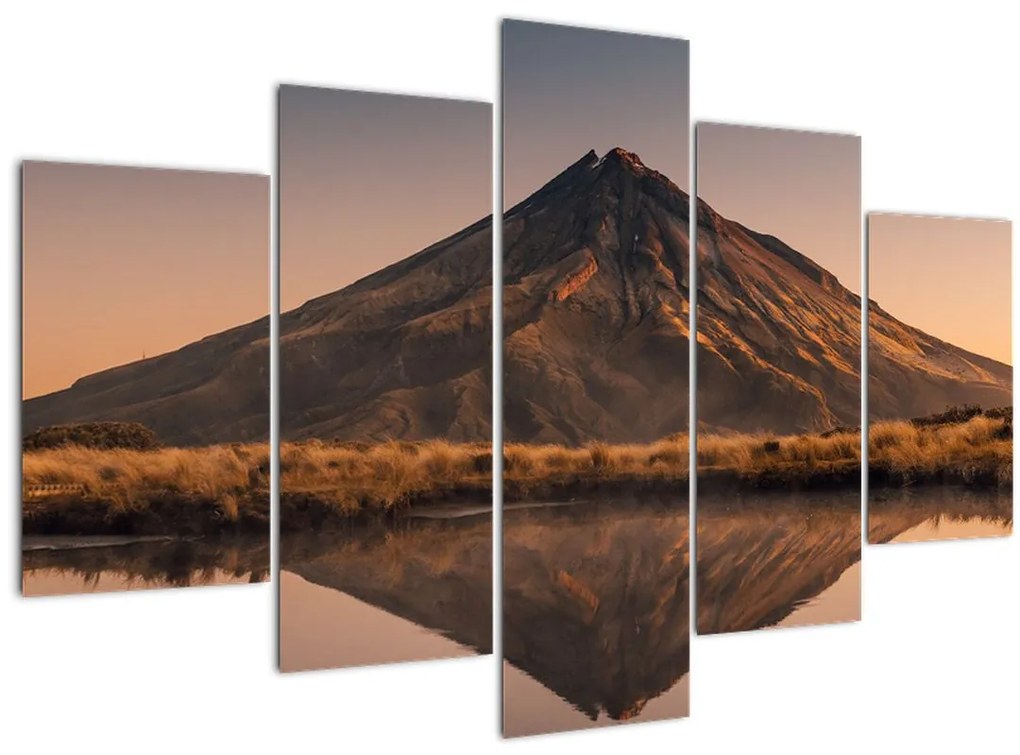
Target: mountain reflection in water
x,y
762,558
595,609
431,576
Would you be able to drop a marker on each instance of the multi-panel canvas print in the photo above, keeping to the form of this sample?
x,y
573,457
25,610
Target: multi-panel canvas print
x,y
145,386
778,378
595,378
940,378
385,378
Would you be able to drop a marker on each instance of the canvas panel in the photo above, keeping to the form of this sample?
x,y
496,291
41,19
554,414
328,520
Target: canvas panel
x,y
940,378
385,378
595,378
778,378
145,411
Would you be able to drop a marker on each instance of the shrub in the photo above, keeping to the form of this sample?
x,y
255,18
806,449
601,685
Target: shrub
x,y
99,435
953,415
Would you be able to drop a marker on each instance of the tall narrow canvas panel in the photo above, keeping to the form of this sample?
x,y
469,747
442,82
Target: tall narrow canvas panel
x,y
778,378
595,378
145,388
385,378
940,378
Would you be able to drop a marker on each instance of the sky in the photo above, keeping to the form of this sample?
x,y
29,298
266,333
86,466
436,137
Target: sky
x,y
802,187
567,90
369,179
121,262
950,277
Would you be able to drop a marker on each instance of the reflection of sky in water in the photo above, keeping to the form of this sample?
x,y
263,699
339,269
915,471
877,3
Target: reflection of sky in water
x,y
324,628
65,582
838,603
944,529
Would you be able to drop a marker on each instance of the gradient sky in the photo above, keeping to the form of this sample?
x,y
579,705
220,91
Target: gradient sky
x,y
368,179
803,187
124,261
567,90
950,277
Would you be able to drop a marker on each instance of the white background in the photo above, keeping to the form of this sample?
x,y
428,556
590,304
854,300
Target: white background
x,y
933,666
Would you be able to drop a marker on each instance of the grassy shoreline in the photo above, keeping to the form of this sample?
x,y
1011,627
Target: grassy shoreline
x,y
225,489
186,492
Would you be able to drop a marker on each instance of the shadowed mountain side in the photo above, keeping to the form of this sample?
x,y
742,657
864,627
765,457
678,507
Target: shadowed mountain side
x,y
211,391
891,512
403,353
435,573
595,602
758,561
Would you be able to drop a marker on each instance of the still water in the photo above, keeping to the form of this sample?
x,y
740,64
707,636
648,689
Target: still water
x,y
938,512
68,565
595,615
416,589
778,559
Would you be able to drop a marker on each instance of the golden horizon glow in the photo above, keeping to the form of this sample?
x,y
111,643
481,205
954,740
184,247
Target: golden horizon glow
x,y
950,277
121,262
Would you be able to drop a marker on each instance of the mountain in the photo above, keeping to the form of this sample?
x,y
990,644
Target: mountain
x,y
596,302
211,391
595,305
911,373
403,353
780,344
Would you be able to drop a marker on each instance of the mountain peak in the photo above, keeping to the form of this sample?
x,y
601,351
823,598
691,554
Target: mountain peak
x,y
625,157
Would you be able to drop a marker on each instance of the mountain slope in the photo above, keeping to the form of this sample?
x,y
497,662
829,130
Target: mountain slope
x,y
403,353
596,306
211,391
911,373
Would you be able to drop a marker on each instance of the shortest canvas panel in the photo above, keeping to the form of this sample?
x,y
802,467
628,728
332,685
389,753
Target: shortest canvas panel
x,y
145,387
940,377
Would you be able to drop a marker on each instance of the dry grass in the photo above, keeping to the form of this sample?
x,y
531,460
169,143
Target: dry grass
x,y
979,450
328,478
750,454
665,458
126,476
320,478
178,491
353,477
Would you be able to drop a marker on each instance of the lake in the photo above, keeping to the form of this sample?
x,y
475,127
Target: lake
x,y
70,565
595,615
938,512
778,559
414,589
